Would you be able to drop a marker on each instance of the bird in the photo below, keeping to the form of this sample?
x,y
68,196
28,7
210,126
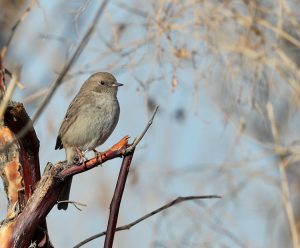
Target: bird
x,y
90,119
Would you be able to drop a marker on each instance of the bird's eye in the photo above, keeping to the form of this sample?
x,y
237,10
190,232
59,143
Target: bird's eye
x,y
102,83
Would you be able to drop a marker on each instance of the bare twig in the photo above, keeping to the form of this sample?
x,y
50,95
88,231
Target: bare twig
x,y
146,216
62,75
138,139
75,204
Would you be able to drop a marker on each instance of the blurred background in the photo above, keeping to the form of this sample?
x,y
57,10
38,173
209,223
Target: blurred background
x,y
226,77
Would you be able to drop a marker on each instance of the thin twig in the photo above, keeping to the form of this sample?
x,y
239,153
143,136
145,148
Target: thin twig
x,y
75,204
62,75
138,139
146,216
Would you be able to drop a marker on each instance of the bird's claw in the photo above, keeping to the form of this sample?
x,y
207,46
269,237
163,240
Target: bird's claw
x,y
96,153
80,158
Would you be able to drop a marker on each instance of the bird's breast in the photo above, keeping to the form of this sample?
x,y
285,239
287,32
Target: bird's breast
x,y
94,124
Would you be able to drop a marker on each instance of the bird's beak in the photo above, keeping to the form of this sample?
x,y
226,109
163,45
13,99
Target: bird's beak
x,y
116,84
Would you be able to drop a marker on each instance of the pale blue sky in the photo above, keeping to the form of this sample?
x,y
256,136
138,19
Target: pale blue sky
x,y
196,156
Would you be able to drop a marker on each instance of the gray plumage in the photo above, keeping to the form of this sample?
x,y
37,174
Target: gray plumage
x,y
90,119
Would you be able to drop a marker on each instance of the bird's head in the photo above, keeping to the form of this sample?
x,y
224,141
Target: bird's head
x,y
102,82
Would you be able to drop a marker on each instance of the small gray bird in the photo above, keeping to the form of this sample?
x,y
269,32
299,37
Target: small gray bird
x,y
90,119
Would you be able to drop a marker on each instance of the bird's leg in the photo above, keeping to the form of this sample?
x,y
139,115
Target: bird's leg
x,y
81,155
98,154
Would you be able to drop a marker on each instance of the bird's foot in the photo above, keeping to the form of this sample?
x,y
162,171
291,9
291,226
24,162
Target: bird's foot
x,y
80,158
79,161
98,154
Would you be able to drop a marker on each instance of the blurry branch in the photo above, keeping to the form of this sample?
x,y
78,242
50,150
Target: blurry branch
x,y
9,91
37,94
217,222
286,197
279,32
71,62
62,75
132,10
289,64
146,216
79,12
14,28
248,21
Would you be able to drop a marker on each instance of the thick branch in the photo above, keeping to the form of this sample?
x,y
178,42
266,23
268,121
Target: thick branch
x,y
46,194
15,118
19,167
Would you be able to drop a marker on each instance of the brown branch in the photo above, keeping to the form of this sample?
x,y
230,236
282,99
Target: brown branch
x,y
47,192
21,228
146,216
15,118
62,75
19,167
118,193
20,172
116,200
2,83
116,150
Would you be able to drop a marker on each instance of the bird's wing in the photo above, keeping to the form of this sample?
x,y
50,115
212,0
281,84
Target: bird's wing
x,y
70,118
